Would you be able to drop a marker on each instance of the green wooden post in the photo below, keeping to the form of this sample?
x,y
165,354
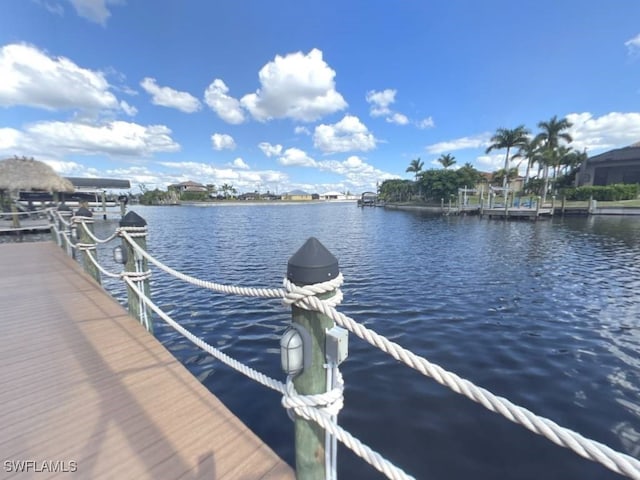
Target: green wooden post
x,y
312,263
137,263
104,205
84,215
15,221
65,214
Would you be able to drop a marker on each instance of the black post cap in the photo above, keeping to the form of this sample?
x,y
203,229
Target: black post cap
x,y
64,208
312,263
132,219
84,212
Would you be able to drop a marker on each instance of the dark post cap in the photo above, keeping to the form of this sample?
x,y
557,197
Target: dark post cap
x,y
83,212
132,219
64,208
312,263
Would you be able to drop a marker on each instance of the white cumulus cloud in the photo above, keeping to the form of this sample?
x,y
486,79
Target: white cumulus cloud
x,y
241,179
95,10
168,97
30,77
296,157
633,44
222,141
380,101
300,130
358,174
240,163
128,109
115,138
349,134
398,119
475,141
270,150
379,106
612,130
426,123
227,107
295,86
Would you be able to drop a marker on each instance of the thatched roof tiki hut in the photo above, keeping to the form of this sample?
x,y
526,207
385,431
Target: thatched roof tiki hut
x,y
24,173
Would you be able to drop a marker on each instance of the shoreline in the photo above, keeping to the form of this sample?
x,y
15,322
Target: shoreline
x,y
568,211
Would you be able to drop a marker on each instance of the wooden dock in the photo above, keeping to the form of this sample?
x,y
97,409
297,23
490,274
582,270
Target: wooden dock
x,y
84,385
515,212
26,225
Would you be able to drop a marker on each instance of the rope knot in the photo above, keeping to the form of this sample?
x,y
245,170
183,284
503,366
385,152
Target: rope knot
x,y
136,276
329,403
300,296
133,232
81,219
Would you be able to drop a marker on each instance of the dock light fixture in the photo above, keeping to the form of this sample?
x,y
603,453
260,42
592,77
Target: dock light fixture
x,y
292,351
120,255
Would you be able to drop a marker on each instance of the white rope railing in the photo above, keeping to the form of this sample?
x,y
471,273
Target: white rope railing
x,y
92,236
306,298
217,287
24,213
311,407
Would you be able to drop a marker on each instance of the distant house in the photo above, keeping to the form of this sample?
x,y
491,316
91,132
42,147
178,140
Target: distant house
x,y
188,186
332,196
621,165
486,179
297,195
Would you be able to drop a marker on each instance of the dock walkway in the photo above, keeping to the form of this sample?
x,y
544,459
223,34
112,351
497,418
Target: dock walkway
x,y
86,386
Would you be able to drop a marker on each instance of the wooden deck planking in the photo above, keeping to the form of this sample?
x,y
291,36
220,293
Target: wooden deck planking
x,y
83,381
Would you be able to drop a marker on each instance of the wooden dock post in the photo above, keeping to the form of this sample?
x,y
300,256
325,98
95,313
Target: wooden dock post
x,y
564,202
84,215
64,213
104,204
137,263
312,263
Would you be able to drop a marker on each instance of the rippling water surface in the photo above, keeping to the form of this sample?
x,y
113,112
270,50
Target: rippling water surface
x,y
546,314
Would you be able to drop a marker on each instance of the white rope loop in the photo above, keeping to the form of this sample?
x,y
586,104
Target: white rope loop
x,y
85,246
329,403
82,219
297,295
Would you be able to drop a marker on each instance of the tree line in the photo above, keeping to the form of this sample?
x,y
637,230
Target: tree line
x,y
551,164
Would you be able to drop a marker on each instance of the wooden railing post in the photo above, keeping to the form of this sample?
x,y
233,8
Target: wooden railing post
x,y
53,222
312,263
137,263
64,213
84,215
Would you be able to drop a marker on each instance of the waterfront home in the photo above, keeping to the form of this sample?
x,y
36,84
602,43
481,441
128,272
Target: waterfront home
x,y
621,165
297,195
188,186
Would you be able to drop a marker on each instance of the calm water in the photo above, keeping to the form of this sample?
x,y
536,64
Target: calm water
x,y
546,314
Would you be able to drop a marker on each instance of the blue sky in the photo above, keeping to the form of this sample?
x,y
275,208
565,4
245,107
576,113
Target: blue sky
x,y
317,96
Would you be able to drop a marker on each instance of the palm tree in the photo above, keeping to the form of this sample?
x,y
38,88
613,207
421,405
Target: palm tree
x,y
531,152
505,138
447,160
226,188
415,167
553,131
